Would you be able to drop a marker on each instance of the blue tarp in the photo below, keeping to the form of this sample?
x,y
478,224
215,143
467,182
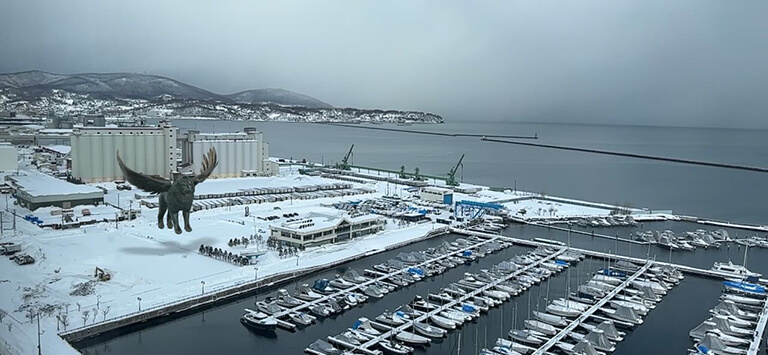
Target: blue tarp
x,y
416,271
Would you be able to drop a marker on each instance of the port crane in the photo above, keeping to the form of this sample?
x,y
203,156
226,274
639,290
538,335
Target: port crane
x,y
451,180
344,165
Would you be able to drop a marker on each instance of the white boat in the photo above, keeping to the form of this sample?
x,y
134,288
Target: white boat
x,y
571,304
742,299
527,336
284,299
730,307
615,281
320,310
706,327
392,319
733,320
540,327
306,294
597,338
269,308
608,328
363,325
624,314
717,346
372,291
428,330
442,322
732,268
259,321
395,348
341,283
410,338
639,308
563,310
302,318
722,323
455,316
583,347
507,347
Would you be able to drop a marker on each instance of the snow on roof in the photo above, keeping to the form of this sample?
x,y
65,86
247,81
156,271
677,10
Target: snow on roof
x,y
61,149
36,184
320,221
437,190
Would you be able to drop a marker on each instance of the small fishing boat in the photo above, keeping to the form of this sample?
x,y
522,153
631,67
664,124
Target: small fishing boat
x,y
395,348
363,325
322,347
320,310
306,294
741,299
392,319
284,299
421,304
268,308
302,318
259,322
372,291
323,286
341,283
354,277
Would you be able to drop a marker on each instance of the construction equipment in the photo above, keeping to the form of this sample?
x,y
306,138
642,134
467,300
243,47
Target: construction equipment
x,y
416,176
451,180
345,165
101,275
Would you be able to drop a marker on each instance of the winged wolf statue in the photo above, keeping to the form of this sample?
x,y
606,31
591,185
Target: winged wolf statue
x,y
175,196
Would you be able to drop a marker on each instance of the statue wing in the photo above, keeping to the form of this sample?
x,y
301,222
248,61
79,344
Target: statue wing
x,y
210,161
154,184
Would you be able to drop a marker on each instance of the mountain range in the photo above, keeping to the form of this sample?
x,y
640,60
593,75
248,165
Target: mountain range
x,y
125,95
37,83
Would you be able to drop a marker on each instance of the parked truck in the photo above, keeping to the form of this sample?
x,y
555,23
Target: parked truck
x,y
9,248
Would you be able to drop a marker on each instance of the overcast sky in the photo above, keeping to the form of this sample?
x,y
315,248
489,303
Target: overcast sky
x,y
679,62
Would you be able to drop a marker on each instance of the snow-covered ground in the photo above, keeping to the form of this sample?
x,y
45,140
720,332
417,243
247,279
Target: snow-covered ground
x,y
151,267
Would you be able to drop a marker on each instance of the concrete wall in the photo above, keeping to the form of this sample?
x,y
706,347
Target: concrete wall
x,y
148,150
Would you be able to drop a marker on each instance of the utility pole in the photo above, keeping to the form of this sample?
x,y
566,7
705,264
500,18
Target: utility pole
x,y
39,349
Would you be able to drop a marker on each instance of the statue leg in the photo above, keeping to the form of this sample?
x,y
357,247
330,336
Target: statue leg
x,y
161,212
187,227
169,218
176,226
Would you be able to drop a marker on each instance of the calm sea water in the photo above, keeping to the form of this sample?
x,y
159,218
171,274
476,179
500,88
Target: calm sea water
x,y
694,190
717,193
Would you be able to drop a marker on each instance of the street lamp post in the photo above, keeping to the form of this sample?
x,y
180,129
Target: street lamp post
x,y
139,299
202,283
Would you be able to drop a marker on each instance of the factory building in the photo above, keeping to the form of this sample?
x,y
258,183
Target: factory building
x,y
41,190
9,160
437,194
319,228
150,150
240,154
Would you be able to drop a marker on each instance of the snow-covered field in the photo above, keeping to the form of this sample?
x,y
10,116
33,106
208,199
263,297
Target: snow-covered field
x,y
152,267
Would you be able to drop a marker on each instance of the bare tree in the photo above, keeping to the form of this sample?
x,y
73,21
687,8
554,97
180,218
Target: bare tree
x,y
31,312
105,311
95,313
85,316
64,318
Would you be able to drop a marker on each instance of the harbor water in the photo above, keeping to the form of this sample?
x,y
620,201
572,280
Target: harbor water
x,y
716,193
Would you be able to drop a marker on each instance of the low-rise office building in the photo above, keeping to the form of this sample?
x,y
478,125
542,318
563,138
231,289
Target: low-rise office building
x,y
319,228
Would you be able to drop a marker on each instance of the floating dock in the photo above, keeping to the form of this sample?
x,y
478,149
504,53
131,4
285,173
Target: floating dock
x,y
365,347
588,313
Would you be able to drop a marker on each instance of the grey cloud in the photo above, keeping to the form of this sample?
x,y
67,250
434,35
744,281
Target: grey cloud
x,y
687,62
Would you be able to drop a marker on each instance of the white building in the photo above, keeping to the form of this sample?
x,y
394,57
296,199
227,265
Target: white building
x,y
9,157
150,150
437,194
240,154
319,228
40,190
